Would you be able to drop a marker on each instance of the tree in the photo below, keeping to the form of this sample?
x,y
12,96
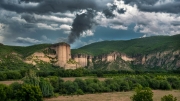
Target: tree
x,y
3,76
31,78
46,88
81,84
124,86
29,93
5,92
142,94
168,98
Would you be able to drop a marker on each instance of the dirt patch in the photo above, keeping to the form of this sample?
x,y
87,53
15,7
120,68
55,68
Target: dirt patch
x,y
9,82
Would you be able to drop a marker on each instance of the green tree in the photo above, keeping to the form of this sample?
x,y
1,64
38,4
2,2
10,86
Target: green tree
x,y
15,87
46,88
5,92
31,78
165,85
124,86
29,93
142,94
81,83
168,98
3,76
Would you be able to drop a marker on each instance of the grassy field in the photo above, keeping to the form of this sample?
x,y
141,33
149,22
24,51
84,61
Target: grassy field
x,y
116,96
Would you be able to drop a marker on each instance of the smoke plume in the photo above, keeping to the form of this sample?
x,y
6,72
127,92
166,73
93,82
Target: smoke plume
x,y
82,22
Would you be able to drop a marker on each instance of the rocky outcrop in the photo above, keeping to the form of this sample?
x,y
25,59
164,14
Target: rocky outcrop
x,y
166,59
40,56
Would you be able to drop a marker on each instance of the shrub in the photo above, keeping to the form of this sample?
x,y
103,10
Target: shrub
x,y
15,87
46,88
154,84
164,85
5,92
29,93
13,75
124,86
168,98
142,94
3,76
69,87
81,84
79,92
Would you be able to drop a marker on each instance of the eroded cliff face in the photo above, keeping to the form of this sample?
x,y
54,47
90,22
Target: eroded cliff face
x,y
40,56
167,60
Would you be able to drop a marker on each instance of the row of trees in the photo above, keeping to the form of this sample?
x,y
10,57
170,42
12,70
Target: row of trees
x,y
79,86
56,71
35,88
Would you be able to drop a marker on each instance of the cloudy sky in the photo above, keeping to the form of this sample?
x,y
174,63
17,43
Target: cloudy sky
x,y
81,22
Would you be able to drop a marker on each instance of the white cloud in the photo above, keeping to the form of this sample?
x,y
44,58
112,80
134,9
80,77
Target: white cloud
x,y
53,18
118,27
27,40
54,25
48,27
150,23
65,27
87,33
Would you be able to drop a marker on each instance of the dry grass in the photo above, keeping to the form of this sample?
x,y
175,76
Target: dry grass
x,y
115,96
9,82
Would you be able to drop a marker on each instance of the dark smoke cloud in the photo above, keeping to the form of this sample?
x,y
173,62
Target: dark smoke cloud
x,y
82,22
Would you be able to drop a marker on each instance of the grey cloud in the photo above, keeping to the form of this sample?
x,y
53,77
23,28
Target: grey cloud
x,y
149,5
109,11
149,2
46,6
82,22
29,18
27,40
121,11
175,23
173,7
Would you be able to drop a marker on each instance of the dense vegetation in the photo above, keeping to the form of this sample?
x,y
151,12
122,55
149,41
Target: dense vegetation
x,y
35,87
132,47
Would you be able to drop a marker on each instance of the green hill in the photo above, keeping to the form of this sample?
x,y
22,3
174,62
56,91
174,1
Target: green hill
x,y
132,47
24,51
